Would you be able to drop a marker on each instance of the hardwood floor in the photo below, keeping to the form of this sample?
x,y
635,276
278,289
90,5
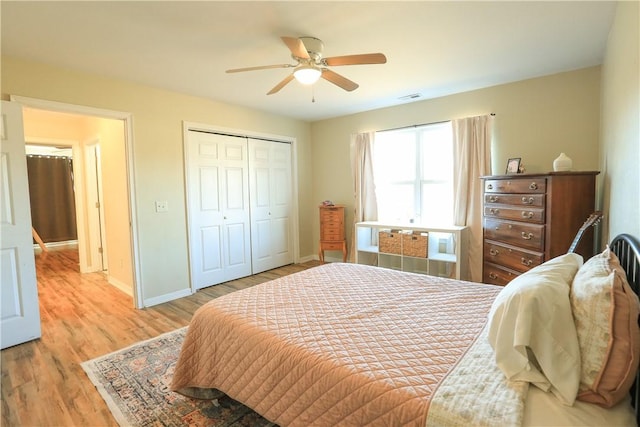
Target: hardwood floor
x,y
84,317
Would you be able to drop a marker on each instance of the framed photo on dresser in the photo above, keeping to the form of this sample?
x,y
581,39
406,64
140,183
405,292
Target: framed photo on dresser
x,y
513,165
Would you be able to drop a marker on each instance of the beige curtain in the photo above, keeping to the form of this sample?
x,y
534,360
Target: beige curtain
x,y
472,159
365,207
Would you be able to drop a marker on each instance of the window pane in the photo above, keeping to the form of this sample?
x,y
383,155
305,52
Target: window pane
x,y
395,202
437,152
395,157
413,170
437,204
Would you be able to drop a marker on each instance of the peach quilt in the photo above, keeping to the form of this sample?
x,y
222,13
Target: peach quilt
x,y
346,344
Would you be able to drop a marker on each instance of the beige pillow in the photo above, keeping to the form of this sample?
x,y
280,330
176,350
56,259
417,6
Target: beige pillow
x,y
605,311
531,328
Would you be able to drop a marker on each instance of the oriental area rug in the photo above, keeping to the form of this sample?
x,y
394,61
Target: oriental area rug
x,y
134,382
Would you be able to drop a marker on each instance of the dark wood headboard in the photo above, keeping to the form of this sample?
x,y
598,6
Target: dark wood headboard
x,y
627,248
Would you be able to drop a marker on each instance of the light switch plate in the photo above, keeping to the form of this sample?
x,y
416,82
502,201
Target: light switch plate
x,y
162,206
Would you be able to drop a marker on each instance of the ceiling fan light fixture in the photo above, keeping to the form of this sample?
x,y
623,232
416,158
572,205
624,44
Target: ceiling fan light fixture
x,y
307,74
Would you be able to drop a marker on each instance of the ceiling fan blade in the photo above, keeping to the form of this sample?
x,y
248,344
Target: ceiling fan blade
x,y
260,67
280,85
339,80
365,58
296,47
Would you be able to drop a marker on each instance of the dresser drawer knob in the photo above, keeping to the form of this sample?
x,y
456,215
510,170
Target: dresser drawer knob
x,y
493,252
493,211
526,214
493,276
527,201
489,186
493,199
526,262
527,236
533,186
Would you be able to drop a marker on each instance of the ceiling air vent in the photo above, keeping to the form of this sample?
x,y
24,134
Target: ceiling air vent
x,y
410,97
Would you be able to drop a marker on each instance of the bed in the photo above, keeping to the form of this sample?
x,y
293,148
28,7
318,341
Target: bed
x,y
346,344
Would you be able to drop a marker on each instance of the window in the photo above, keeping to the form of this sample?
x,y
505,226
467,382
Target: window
x,y
413,173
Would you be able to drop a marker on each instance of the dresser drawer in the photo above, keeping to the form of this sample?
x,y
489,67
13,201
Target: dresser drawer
x,y
529,236
510,256
497,275
517,185
533,200
332,237
332,246
331,228
331,214
332,225
534,215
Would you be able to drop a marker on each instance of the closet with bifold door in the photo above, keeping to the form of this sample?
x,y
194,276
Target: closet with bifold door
x,y
239,202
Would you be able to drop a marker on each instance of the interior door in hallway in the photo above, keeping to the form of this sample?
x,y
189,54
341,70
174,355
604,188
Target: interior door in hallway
x,y
270,195
218,204
20,320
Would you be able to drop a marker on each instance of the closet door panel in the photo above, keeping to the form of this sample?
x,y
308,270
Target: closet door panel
x,y
270,195
218,208
211,244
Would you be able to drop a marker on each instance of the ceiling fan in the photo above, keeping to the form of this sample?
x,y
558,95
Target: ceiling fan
x,y
310,65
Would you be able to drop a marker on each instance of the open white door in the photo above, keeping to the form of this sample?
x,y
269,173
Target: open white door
x,y
96,247
20,321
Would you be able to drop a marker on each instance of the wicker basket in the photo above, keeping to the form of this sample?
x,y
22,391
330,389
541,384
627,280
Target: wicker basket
x,y
390,242
415,244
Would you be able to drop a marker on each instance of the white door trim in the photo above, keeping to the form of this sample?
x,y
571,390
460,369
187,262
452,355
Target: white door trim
x,y
127,118
195,126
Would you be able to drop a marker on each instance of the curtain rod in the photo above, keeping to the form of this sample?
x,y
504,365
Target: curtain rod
x,y
423,124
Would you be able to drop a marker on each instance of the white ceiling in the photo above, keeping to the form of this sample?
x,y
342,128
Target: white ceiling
x,y
432,48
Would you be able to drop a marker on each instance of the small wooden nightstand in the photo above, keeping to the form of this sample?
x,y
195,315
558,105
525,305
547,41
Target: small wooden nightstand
x,y
332,231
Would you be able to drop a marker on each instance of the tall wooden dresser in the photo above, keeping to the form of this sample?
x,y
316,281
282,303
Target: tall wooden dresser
x,y
531,218
332,236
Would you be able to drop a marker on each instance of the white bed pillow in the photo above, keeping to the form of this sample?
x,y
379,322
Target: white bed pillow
x,y
532,332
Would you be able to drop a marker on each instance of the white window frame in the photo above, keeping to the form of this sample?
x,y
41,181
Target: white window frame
x,y
418,181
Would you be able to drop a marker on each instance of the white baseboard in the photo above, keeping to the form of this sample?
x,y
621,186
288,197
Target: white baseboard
x,y
149,302
67,244
120,285
307,259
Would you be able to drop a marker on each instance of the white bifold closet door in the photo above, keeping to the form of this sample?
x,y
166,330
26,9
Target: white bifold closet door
x,y
239,206
219,223
270,197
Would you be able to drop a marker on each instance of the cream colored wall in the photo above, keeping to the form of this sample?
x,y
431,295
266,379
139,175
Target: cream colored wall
x,y
620,152
535,119
158,156
43,124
